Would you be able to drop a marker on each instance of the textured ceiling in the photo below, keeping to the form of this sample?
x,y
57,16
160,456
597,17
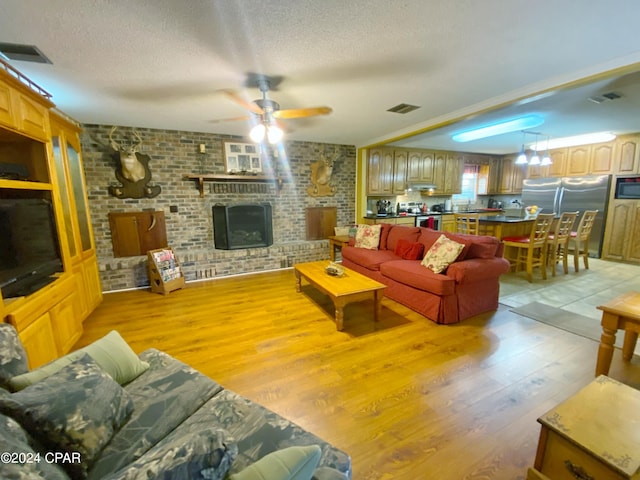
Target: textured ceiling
x,y
162,63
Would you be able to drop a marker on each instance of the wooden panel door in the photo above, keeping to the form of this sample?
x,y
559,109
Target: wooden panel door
x,y
558,167
400,162
135,233
627,157
321,222
601,159
578,161
619,221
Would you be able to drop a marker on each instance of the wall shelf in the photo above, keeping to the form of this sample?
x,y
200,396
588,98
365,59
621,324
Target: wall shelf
x,y
222,178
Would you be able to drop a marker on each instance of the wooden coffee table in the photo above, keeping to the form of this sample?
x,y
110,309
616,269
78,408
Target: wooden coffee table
x,y
350,287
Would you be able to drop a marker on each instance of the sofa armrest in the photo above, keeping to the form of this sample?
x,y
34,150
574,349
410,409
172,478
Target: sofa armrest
x,y
477,269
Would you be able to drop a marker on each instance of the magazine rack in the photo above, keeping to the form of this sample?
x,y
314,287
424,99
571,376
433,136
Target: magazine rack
x,y
165,274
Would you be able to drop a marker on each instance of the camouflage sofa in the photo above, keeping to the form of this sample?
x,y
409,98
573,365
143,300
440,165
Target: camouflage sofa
x,y
84,416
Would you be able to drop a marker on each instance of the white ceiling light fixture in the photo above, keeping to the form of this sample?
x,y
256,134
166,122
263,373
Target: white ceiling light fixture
x,y
546,160
522,157
576,140
507,126
535,158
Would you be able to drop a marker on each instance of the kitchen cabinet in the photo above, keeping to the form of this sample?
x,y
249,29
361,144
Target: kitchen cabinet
x,y
448,167
622,232
511,176
448,223
380,172
420,167
558,165
590,160
400,163
627,161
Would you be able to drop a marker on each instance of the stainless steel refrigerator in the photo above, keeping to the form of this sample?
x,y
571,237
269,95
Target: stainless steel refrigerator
x,y
571,194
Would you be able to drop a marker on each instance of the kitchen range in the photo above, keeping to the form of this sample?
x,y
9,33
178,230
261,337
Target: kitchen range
x,y
423,217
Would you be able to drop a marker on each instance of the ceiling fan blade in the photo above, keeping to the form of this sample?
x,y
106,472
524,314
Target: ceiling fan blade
x,y
232,119
302,112
235,97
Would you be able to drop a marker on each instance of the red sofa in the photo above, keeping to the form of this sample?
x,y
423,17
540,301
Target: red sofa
x,y
468,287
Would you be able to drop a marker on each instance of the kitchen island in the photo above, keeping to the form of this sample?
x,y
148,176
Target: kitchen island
x,y
501,226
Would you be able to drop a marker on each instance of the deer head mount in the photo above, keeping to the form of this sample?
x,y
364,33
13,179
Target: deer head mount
x,y
321,171
132,170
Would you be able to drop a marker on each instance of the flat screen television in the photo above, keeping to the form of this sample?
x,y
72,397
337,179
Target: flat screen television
x,y
29,246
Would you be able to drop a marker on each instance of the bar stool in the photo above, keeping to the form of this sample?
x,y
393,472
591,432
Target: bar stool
x,y
580,239
558,242
466,223
531,250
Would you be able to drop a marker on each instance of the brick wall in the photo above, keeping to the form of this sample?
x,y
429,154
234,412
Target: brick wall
x,y
174,154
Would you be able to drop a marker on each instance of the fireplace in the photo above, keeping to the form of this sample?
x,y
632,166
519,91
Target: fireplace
x,y
242,226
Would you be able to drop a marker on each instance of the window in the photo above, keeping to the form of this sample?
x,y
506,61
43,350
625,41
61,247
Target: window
x,y
470,185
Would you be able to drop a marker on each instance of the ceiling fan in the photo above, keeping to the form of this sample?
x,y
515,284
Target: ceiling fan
x,y
266,111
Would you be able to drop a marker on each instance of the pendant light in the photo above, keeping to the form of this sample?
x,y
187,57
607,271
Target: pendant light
x,y
522,158
546,160
535,158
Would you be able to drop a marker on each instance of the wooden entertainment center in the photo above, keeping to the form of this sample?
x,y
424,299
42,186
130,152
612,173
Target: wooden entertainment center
x,y
41,159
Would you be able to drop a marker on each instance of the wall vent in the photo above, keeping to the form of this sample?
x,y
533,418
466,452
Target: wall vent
x,y
403,108
23,53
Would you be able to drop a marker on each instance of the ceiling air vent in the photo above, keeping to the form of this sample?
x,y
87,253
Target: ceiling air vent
x,y
403,108
604,97
23,53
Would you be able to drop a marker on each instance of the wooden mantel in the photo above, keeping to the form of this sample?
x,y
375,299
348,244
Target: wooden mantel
x,y
208,177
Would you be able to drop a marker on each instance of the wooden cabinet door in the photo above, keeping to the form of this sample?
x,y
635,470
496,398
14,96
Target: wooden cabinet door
x,y
420,167
439,166
67,327
380,172
39,342
627,161
135,233
7,116
454,167
633,242
400,164
558,167
512,176
33,118
578,161
601,159
321,222
619,221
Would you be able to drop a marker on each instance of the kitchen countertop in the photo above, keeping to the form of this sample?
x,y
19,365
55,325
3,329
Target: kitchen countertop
x,y
430,213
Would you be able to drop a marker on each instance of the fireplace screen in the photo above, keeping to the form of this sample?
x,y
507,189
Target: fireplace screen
x,y
242,226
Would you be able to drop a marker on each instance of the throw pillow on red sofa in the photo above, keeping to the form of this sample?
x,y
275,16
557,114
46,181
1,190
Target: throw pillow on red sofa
x,y
408,250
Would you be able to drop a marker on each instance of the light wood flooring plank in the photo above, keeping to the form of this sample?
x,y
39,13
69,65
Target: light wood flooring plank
x,y
406,398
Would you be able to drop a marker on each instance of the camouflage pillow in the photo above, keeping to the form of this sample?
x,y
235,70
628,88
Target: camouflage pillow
x,y
13,358
16,444
75,410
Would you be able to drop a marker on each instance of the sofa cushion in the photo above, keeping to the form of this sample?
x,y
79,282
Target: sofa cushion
x,y
413,274
208,454
441,254
401,231
409,250
75,410
482,250
292,463
13,358
370,259
15,441
368,236
384,235
110,352
259,431
164,397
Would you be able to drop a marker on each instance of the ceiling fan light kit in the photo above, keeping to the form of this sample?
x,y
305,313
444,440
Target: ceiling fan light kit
x,y
266,111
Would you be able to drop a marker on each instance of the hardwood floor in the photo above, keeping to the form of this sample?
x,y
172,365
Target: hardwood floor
x,y
407,399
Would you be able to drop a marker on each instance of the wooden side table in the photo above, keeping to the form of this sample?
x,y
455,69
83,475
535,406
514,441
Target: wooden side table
x,y
622,313
591,435
337,241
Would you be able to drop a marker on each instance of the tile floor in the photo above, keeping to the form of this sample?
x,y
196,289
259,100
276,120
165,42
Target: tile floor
x,y
579,292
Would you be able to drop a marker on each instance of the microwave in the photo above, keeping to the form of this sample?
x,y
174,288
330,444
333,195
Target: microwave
x,y
628,188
